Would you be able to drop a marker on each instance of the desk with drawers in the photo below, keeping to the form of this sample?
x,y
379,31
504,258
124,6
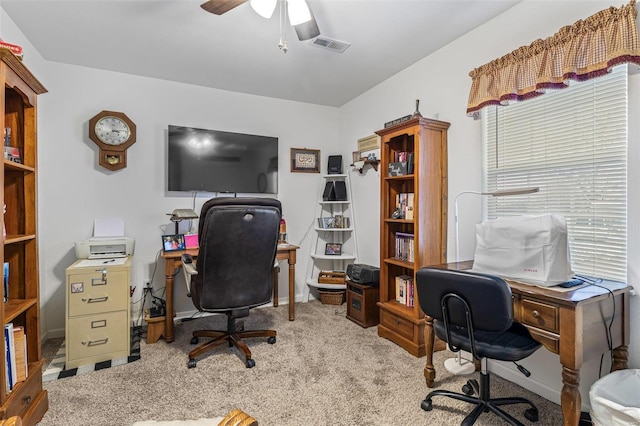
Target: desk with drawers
x,y
572,324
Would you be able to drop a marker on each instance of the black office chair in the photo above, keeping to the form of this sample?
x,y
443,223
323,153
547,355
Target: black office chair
x,y
238,240
474,312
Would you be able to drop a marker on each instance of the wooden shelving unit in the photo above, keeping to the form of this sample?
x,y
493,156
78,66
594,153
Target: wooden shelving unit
x,y
426,141
27,399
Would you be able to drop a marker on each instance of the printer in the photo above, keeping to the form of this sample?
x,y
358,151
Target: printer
x,y
105,247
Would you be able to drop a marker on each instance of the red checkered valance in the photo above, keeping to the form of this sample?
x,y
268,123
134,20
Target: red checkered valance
x,y
584,50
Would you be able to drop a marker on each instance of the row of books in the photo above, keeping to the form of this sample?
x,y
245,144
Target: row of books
x,y
405,290
337,221
15,345
405,247
405,205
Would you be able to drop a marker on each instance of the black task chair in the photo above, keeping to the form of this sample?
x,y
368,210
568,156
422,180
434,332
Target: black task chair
x,y
238,240
474,312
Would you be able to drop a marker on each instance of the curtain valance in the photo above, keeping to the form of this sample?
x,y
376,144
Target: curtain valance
x,y
584,50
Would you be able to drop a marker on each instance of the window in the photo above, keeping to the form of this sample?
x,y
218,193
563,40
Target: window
x,y
572,143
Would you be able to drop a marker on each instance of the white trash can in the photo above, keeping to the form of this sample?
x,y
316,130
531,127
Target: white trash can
x,y
615,399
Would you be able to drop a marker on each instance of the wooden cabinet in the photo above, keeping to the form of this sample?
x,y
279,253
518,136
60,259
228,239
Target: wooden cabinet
x,y
413,223
97,325
27,399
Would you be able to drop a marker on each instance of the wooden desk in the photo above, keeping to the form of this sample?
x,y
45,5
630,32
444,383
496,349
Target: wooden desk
x,y
173,264
572,324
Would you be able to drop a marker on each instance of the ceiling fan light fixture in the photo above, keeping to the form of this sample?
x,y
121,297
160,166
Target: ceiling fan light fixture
x,y
299,12
307,30
264,8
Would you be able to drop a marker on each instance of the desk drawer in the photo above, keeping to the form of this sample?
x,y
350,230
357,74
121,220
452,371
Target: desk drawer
x,y
539,314
400,325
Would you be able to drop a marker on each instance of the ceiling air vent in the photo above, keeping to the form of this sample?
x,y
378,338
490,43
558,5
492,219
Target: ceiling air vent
x,y
331,44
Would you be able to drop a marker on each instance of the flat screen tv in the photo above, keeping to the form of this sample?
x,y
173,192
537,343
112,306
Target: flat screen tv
x,y
217,161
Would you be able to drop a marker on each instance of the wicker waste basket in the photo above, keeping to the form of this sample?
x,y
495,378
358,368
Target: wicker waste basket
x,y
332,297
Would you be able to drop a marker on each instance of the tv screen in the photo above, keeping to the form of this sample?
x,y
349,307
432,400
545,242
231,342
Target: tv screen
x,y
217,161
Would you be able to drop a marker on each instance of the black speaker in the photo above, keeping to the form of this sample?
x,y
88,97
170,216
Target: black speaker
x,y
335,165
329,192
340,189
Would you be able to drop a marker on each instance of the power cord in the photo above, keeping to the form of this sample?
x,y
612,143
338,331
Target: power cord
x,y
596,283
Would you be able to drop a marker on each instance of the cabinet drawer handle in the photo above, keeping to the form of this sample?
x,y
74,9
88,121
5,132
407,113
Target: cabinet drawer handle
x,y
96,342
95,299
535,314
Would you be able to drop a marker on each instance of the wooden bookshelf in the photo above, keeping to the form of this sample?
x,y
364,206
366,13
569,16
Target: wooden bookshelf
x,y
423,142
27,399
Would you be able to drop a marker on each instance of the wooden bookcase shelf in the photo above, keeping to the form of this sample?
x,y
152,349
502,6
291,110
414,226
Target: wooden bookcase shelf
x,y
27,399
422,144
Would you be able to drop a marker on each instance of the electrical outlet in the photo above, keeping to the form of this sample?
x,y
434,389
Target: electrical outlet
x,y
147,284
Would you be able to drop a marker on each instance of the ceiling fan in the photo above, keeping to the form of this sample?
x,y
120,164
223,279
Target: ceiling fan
x,y
300,15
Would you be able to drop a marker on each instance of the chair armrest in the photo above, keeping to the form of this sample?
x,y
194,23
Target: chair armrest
x,y
188,269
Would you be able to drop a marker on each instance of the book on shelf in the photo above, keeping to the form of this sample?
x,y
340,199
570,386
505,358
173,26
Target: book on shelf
x,y
10,355
405,246
405,290
405,205
6,281
20,346
402,288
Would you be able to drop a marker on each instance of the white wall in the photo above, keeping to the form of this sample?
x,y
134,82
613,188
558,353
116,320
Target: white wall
x,y
441,82
73,189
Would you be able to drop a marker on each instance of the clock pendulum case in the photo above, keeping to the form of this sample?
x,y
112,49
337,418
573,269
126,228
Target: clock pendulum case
x,y
113,132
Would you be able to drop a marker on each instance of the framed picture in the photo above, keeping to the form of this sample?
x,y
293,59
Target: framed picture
x,y
173,242
334,249
356,156
305,160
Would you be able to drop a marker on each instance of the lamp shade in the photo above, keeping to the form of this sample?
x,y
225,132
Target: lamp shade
x,y
264,8
298,11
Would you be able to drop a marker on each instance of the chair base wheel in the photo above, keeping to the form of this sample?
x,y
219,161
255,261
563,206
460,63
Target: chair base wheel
x,y
191,363
531,414
250,363
271,340
426,405
194,341
471,387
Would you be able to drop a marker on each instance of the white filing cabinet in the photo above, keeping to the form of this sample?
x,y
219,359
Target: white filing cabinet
x,y
98,319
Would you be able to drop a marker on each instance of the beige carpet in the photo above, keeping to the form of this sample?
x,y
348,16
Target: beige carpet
x,y
323,370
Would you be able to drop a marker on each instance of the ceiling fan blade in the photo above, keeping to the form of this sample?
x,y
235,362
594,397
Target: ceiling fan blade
x,y
218,7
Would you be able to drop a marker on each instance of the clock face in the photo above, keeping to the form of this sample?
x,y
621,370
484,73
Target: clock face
x,y
112,130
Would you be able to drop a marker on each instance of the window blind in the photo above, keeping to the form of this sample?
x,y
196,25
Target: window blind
x,y
572,143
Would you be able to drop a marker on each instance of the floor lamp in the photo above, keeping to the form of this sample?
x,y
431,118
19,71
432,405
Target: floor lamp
x,y
459,365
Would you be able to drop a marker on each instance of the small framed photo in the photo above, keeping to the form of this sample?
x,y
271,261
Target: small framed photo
x,y
334,249
356,156
305,160
173,242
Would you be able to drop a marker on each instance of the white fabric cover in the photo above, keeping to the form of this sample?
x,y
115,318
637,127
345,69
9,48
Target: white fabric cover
x,y
531,249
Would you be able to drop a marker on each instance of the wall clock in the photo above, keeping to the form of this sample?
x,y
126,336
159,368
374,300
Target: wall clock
x,y
113,132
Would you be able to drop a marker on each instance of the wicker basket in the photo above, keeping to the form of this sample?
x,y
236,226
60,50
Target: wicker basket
x,y
332,297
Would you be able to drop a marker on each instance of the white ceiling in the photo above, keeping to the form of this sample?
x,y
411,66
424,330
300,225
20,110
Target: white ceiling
x,y
238,51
